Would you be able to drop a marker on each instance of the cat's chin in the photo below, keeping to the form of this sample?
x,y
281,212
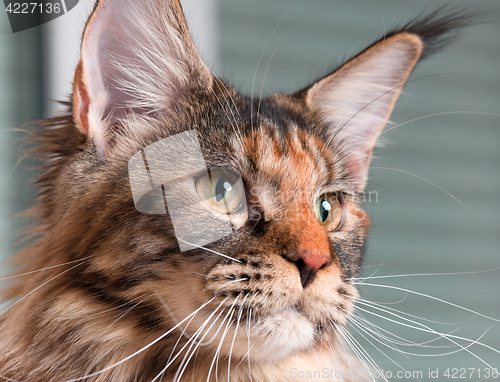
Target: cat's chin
x,y
278,335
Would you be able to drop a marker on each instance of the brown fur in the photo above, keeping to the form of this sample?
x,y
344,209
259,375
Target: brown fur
x,y
102,282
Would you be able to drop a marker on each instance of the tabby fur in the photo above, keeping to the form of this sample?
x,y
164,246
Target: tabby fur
x,y
102,284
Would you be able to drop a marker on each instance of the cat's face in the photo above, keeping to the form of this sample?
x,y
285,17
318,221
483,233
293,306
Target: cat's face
x,y
298,163
284,270
295,165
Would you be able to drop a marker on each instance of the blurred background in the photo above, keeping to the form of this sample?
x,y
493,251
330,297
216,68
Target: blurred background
x,y
434,186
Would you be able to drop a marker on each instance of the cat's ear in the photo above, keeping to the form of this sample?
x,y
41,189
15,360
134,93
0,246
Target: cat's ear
x,y
357,99
136,57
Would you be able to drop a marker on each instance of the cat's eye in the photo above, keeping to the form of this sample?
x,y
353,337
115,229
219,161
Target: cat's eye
x,y
329,210
222,190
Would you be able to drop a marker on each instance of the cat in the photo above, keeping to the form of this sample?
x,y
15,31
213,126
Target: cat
x,y
184,231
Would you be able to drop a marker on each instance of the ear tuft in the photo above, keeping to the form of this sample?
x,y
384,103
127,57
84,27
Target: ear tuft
x,y
439,28
356,101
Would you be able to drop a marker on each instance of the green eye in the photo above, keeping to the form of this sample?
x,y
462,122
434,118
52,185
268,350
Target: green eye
x,y
222,190
329,210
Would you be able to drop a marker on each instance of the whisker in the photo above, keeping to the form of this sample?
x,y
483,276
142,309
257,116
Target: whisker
x,y
391,90
44,269
114,322
383,306
425,180
369,277
191,340
380,371
442,113
397,340
142,349
195,344
340,340
357,350
427,329
217,352
430,297
260,58
444,335
330,346
361,351
235,125
234,338
396,194
209,250
277,46
426,274
37,288
249,313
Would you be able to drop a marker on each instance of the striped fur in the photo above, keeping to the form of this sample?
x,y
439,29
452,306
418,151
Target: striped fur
x,y
103,293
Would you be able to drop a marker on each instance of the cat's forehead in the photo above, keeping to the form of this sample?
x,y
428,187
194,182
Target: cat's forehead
x,y
288,157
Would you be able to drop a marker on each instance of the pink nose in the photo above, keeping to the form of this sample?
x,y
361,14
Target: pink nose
x,y
308,264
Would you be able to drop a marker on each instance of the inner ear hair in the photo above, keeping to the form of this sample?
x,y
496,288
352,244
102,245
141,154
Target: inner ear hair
x,y
354,102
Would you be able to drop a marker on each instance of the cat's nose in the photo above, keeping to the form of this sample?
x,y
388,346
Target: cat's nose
x,y
308,264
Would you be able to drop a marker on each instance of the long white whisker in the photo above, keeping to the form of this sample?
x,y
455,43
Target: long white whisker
x,y
216,355
383,306
195,344
358,352
141,349
472,342
425,180
369,277
188,355
234,338
361,351
424,274
115,321
209,250
427,329
442,113
331,346
430,297
44,269
260,58
391,90
338,333
277,46
40,286
366,339
400,340
192,341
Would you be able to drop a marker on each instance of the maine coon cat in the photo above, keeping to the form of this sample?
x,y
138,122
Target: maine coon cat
x,y
187,232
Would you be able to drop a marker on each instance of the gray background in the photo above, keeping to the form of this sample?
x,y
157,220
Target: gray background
x,y
417,227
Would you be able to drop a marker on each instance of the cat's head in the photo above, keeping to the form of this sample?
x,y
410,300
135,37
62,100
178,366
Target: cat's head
x,y
184,196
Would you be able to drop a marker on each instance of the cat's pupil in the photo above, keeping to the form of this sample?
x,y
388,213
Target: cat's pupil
x,y
222,187
324,210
